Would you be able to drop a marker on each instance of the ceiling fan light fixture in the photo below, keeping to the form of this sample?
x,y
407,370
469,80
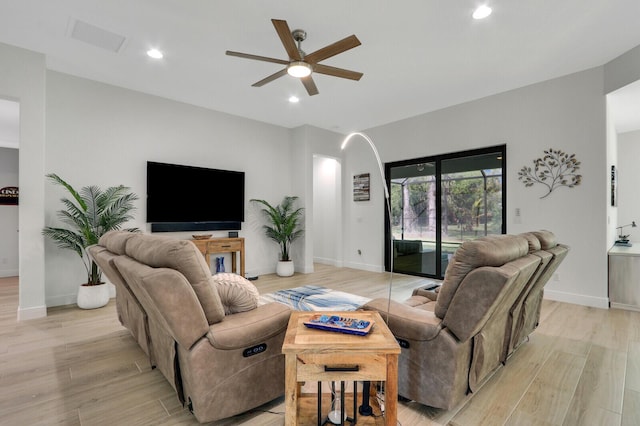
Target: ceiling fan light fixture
x,y
299,69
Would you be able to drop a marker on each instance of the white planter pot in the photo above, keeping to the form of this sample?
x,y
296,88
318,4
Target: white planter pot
x,y
93,296
285,268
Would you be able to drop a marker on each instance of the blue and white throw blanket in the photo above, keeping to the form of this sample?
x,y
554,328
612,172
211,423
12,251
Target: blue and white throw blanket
x,y
315,298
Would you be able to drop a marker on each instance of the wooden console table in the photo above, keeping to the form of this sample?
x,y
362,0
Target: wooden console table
x,y
318,355
223,245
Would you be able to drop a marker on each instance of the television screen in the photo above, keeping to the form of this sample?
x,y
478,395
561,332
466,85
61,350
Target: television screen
x,y
187,198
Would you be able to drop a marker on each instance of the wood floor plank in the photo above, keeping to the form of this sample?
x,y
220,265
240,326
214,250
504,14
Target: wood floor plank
x,y
494,403
632,380
602,381
631,408
548,397
580,415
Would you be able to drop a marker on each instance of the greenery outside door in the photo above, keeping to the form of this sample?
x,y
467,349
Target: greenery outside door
x,y
439,202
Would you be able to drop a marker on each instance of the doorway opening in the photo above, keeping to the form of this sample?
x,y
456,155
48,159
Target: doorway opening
x,y
327,207
9,164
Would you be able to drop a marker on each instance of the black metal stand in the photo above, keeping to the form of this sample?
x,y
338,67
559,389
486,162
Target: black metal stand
x,y
352,420
365,409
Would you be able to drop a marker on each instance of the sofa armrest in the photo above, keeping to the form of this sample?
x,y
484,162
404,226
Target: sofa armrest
x,y
407,322
429,294
249,328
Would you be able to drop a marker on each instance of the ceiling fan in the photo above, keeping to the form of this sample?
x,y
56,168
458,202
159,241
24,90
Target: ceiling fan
x,y
299,63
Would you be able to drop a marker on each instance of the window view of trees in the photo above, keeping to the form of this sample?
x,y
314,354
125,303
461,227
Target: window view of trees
x,y
470,207
468,210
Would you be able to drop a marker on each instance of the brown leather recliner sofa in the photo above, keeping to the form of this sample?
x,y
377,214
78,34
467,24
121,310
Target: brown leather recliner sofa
x,y
222,359
453,339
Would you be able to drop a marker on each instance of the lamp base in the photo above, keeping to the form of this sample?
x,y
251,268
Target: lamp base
x,y
623,243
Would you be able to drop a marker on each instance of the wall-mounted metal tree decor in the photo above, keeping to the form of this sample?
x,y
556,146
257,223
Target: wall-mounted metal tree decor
x,y
556,168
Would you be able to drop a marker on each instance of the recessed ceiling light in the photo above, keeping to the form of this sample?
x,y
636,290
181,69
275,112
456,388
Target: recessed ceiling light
x,y
155,54
482,12
294,99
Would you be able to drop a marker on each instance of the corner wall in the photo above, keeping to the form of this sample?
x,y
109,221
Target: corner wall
x,y
22,79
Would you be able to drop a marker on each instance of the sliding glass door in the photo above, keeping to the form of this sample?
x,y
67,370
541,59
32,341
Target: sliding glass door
x,y
439,202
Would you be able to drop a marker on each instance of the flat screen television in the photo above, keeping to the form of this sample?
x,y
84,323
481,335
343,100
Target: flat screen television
x,y
188,198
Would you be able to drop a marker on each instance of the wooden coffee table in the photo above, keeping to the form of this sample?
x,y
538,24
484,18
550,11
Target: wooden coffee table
x,y
309,353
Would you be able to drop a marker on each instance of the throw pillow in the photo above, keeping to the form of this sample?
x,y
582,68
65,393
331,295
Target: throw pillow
x,y
237,294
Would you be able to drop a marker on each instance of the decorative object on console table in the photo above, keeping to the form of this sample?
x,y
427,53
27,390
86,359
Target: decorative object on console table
x,y
554,169
90,214
284,229
219,264
222,245
623,240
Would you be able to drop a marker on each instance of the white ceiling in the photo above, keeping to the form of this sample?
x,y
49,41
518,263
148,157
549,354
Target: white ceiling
x,y
416,55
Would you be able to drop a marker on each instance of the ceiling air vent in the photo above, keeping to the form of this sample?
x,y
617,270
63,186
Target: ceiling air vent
x,y
96,36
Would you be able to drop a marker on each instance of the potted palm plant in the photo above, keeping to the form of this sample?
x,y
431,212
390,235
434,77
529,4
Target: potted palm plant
x,y
89,214
284,228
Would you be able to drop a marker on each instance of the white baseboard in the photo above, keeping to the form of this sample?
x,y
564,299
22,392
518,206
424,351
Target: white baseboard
x,y
625,306
364,267
327,261
577,299
32,313
5,273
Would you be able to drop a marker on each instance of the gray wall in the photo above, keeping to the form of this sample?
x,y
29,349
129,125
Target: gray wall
x,y
567,113
103,135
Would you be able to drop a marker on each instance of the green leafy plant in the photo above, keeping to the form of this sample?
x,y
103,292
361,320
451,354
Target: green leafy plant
x,y
284,227
556,168
89,214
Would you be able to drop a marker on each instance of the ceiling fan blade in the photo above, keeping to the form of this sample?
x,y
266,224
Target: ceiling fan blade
x,y
309,85
282,28
333,49
257,58
337,72
270,78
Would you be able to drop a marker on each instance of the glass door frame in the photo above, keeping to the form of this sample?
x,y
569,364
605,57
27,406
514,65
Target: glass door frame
x,y
437,160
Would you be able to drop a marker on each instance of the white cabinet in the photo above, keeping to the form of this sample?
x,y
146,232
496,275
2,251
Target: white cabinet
x,y
624,277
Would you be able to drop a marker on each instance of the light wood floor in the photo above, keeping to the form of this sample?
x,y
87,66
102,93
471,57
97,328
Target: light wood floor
x,y
76,367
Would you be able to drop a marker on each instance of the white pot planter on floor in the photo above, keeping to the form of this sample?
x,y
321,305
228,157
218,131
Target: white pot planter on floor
x,y
93,296
285,268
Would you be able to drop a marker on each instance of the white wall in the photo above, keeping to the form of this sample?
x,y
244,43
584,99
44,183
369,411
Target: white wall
x,y
103,135
567,113
326,210
629,183
8,215
22,79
